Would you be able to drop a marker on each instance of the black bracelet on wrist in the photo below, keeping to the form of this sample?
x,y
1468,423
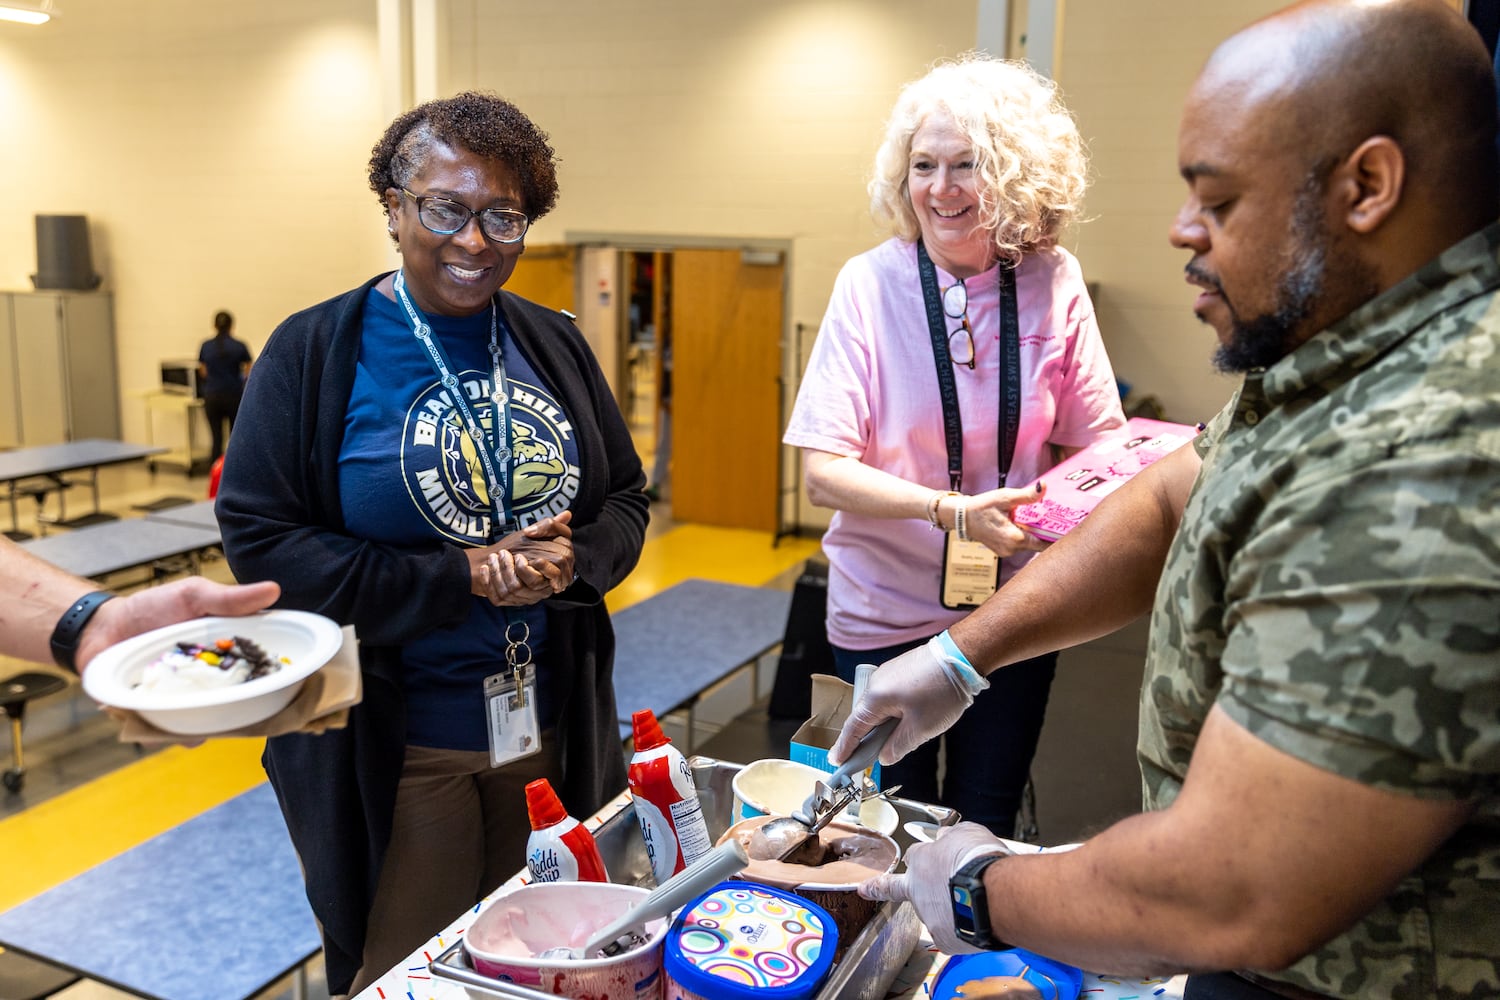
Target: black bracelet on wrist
x,y
70,628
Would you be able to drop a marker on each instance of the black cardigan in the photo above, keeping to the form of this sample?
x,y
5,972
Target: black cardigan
x,y
279,511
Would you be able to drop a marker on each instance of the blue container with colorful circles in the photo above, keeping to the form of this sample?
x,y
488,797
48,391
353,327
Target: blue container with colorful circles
x,y
742,940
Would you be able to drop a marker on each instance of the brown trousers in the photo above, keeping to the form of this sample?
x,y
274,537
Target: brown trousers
x,y
459,831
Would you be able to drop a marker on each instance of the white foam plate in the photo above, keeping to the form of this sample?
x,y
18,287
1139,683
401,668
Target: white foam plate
x,y
304,641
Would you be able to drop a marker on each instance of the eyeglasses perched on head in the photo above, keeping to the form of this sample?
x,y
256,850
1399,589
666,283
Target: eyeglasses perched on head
x,y
445,217
956,306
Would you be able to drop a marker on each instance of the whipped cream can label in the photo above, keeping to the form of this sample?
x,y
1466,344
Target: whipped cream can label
x,y
667,808
564,852
692,829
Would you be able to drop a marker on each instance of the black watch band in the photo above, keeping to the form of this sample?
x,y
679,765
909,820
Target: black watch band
x,y
971,908
70,628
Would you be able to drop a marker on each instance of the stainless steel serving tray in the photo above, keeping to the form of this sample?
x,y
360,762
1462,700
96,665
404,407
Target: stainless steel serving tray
x,y
868,967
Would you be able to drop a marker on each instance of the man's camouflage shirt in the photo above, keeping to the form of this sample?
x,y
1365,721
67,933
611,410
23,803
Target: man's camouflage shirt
x,y
1335,588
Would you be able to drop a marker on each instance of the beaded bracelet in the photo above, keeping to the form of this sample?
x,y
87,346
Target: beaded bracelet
x,y
938,496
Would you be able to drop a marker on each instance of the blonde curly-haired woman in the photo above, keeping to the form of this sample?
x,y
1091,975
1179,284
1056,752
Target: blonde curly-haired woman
x,y
956,358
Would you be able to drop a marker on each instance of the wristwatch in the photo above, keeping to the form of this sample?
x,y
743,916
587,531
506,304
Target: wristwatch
x,y
971,910
69,630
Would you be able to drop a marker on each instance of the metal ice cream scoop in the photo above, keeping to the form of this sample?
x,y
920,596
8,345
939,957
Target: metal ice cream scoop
x,y
793,839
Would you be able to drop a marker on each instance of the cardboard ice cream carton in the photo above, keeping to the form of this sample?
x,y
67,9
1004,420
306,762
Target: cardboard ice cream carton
x,y
832,700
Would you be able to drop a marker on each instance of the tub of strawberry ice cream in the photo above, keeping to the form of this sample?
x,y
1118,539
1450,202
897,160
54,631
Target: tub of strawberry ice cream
x,y
519,936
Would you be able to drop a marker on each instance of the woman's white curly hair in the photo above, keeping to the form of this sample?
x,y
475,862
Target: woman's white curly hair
x,y
1029,162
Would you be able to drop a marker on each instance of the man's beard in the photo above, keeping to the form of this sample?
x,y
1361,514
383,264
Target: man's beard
x,y
1263,340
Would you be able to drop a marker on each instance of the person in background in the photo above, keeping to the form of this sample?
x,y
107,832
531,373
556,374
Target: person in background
x,y
47,613
442,465
223,365
1319,733
980,172
661,462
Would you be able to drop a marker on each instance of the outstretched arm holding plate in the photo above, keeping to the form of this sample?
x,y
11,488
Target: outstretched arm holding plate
x,y
47,613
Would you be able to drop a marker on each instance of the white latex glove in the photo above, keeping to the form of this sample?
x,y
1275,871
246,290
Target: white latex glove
x,y
925,881
927,688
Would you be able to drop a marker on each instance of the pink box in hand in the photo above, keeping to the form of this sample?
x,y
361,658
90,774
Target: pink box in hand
x,y
1075,486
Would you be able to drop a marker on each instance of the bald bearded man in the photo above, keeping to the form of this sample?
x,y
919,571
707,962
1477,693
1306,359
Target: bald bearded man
x,y
1320,717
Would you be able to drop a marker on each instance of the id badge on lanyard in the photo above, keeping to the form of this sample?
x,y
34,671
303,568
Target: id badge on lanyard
x,y
510,701
971,573
509,696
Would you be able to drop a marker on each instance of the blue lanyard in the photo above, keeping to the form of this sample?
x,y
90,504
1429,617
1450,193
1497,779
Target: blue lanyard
x,y
494,454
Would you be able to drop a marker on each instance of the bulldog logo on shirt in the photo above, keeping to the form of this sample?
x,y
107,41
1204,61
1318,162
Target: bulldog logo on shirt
x,y
445,471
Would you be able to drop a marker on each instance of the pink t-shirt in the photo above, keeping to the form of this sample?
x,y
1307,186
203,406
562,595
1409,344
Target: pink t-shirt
x,y
870,392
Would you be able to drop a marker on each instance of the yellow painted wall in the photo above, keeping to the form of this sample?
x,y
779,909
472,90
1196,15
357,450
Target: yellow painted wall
x,y
1126,68
218,150
755,118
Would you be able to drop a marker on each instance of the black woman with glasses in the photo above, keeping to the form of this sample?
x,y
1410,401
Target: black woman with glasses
x,y
956,361
442,465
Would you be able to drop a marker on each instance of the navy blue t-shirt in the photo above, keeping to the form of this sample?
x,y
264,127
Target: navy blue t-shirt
x,y
224,359
409,473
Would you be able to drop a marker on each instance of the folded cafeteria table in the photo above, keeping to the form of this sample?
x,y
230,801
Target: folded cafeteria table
x,y
213,909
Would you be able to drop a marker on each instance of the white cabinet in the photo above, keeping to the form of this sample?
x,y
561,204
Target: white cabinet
x,y
59,370
10,397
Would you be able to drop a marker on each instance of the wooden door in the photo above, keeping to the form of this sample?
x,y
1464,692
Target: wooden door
x,y
545,275
726,321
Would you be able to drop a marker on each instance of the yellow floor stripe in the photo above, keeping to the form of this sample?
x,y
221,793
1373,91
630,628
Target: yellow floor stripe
x,y
728,555
64,836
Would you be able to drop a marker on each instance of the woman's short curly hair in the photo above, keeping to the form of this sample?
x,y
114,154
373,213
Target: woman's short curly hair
x,y
1030,165
483,124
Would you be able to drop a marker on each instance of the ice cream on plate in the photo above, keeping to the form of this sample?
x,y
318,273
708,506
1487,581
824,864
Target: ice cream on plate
x,y
191,666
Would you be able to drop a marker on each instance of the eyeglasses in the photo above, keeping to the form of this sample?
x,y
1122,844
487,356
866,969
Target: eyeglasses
x,y
446,217
956,306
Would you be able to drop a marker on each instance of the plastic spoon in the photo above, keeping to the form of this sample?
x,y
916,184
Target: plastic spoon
x,y
921,831
679,890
